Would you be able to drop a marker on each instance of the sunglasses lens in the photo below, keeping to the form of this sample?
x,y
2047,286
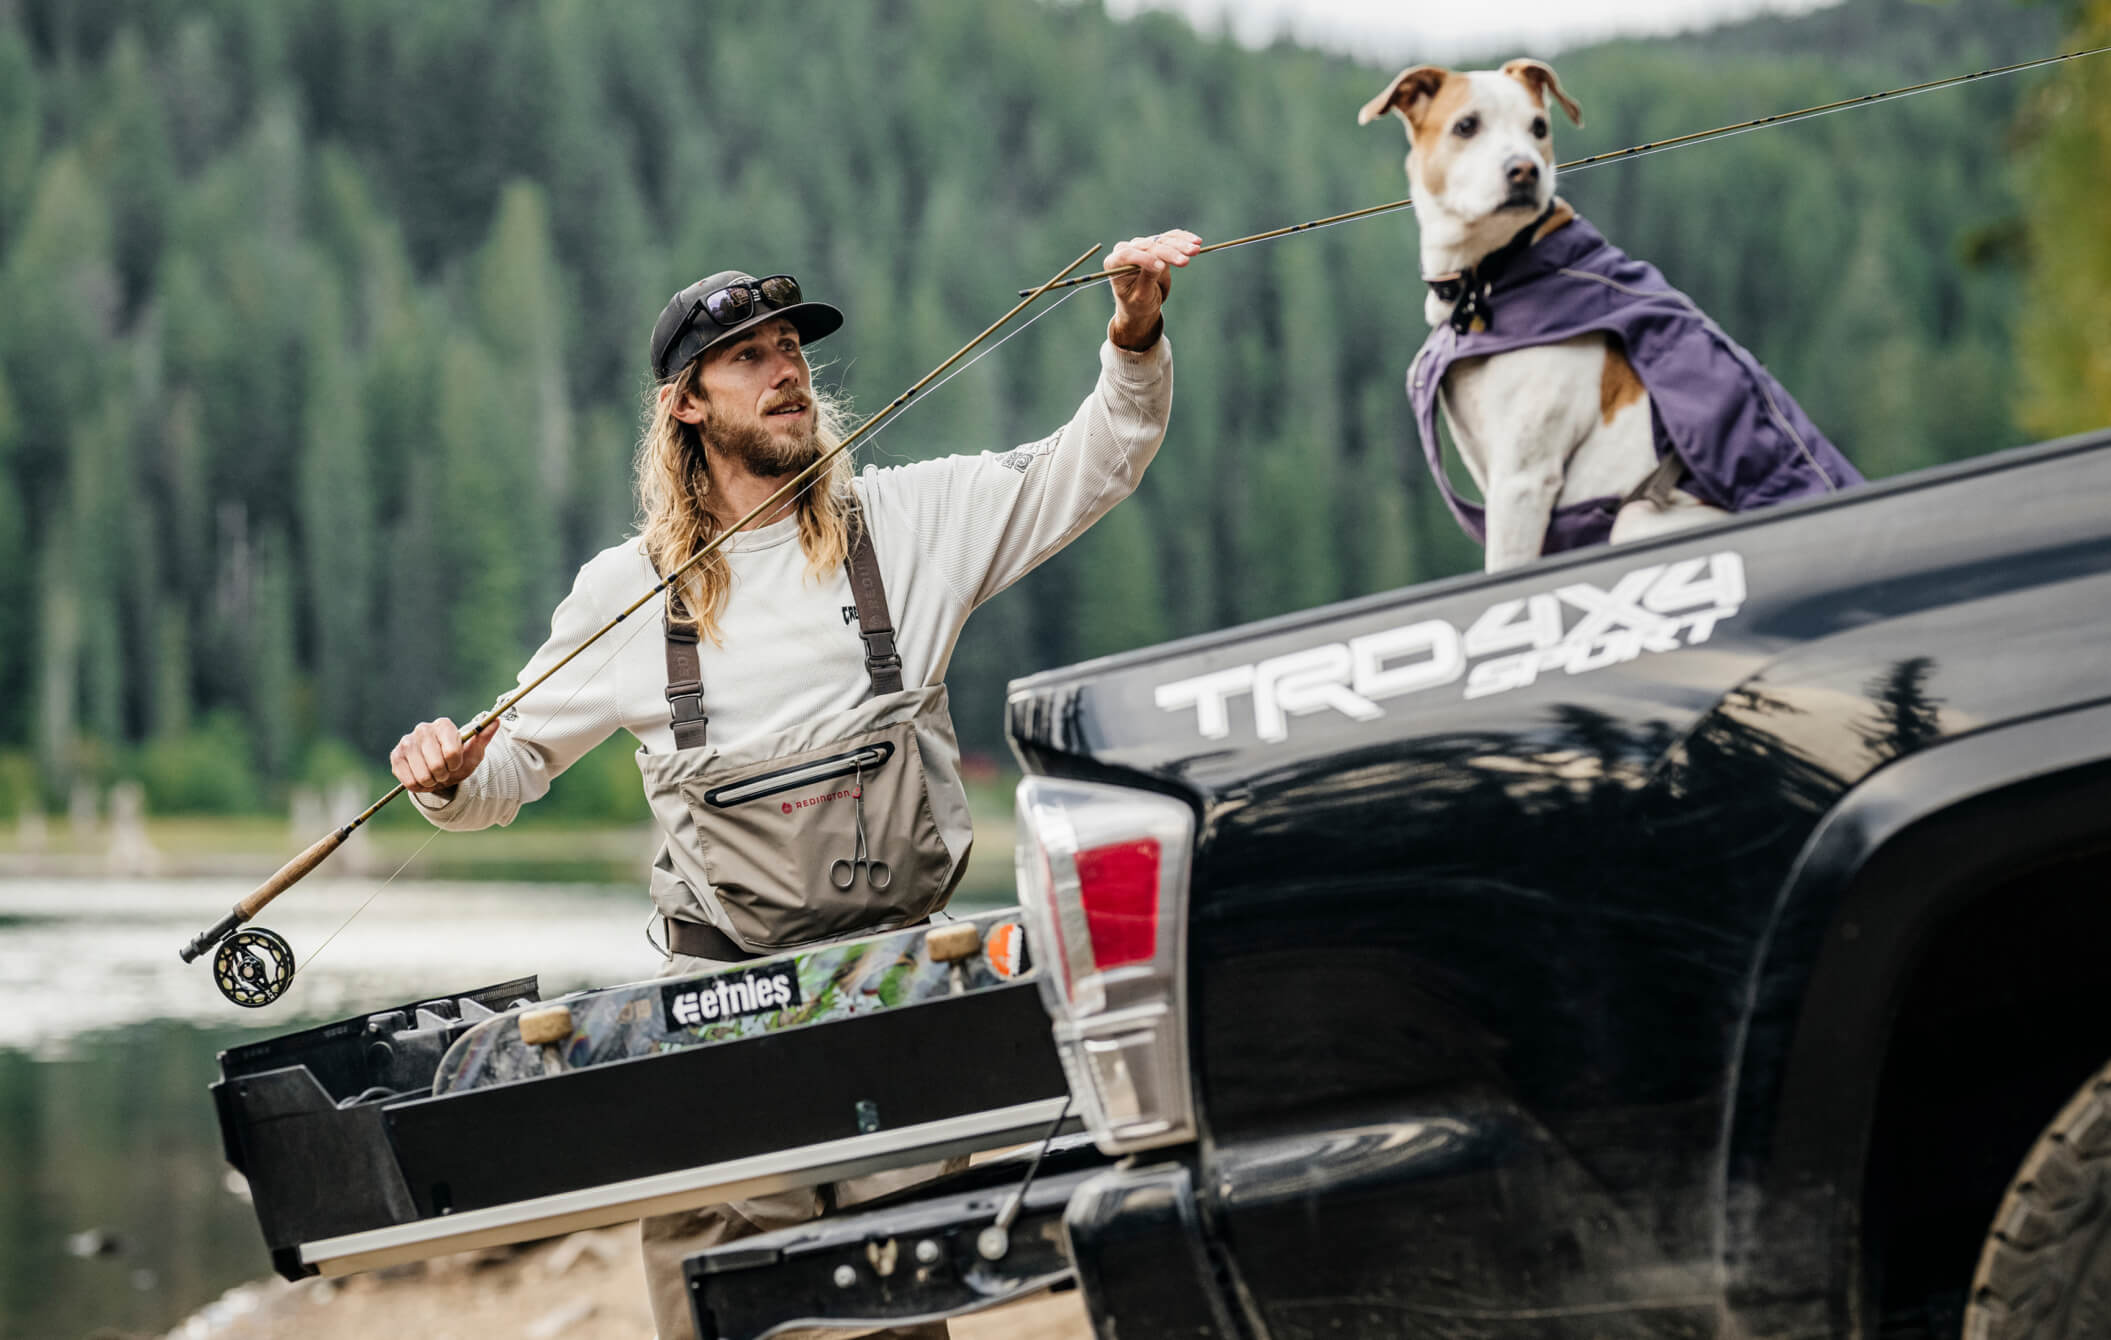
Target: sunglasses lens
x,y
731,306
780,290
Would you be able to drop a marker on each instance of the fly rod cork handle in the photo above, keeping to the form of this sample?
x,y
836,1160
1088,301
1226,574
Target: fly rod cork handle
x,y
288,875
292,873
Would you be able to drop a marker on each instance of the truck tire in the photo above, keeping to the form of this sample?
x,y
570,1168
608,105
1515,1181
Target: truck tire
x,y
2045,1271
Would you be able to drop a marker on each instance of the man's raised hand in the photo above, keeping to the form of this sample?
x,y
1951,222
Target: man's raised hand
x,y
1139,295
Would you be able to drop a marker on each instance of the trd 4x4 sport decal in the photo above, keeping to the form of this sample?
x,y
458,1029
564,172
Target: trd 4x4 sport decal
x,y
1658,608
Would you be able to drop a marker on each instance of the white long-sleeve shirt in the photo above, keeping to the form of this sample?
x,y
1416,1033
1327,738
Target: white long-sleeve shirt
x,y
949,533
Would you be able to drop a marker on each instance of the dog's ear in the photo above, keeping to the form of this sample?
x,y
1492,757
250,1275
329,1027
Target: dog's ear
x,y
1538,76
1409,92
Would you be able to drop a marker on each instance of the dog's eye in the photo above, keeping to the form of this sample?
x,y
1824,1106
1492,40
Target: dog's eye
x,y
1465,127
1539,127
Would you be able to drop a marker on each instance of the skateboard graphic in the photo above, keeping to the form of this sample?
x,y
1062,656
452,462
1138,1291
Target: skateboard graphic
x,y
790,990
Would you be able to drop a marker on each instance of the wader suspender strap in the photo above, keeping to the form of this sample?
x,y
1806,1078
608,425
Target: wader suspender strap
x,y
883,664
685,684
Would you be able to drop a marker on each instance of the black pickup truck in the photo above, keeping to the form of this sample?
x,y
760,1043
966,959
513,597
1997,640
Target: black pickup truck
x,y
1706,936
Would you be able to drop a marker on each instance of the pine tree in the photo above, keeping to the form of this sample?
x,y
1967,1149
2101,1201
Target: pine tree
x,y
21,130
338,530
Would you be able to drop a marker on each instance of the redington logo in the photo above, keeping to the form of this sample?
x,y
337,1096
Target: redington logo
x,y
1661,607
791,805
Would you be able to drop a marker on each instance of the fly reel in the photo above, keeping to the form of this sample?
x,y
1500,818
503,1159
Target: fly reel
x,y
253,967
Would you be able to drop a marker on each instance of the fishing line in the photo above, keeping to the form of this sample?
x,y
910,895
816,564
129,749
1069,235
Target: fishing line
x,y
619,648
1635,151
372,896
255,967
613,653
815,482
553,713
1023,328
1764,123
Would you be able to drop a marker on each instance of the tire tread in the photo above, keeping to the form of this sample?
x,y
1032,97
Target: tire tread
x,y
2045,1269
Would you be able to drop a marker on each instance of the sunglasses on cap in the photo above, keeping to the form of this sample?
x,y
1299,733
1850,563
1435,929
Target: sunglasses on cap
x,y
731,305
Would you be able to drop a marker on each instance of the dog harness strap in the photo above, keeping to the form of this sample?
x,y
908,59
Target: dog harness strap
x,y
1469,290
1656,487
883,662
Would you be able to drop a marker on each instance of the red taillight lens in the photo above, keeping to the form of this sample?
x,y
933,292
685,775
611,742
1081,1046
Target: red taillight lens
x,y
1118,885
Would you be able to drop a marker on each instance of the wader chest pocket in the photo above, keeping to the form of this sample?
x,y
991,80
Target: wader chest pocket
x,y
820,843
848,764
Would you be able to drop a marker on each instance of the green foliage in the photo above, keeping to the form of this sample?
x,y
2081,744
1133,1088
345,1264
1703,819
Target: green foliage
x,y
323,339
330,761
2065,347
203,771
18,784
602,787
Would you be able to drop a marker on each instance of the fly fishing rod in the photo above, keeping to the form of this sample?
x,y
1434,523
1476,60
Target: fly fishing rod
x,y
254,967
1632,151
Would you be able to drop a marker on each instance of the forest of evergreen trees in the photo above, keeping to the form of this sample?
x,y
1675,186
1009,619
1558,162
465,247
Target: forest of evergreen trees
x,y
322,326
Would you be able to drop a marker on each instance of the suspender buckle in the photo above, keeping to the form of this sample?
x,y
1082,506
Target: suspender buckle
x,y
883,664
879,647
685,701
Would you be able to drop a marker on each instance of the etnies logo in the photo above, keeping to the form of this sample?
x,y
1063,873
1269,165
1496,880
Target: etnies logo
x,y
730,995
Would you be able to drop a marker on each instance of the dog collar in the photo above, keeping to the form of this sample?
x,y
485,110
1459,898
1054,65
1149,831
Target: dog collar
x,y
1468,290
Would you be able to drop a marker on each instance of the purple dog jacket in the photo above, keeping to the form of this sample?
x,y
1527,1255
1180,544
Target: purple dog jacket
x,y
1743,440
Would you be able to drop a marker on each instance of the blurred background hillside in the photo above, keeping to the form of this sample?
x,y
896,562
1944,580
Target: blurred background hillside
x,y
322,326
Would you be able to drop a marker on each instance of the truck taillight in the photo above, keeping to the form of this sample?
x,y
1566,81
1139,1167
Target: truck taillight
x,y
1118,886
1103,876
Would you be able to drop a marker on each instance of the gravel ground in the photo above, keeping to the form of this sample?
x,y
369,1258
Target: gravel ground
x,y
589,1286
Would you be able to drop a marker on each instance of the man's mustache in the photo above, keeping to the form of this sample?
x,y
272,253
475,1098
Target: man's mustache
x,y
789,400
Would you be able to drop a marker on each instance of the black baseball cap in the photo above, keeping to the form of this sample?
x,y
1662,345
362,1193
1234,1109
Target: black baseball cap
x,y
685,329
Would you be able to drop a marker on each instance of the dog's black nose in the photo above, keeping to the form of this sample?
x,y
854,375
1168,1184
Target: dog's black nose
x,y
1522,171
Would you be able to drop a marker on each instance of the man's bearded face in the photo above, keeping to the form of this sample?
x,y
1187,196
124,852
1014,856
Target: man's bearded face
x,y
759,412
767,447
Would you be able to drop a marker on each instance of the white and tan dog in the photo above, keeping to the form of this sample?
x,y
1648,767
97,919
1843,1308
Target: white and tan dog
x,y
1546,428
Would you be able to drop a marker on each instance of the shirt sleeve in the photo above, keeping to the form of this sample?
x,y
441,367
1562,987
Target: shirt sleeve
x,y
990,519
557,725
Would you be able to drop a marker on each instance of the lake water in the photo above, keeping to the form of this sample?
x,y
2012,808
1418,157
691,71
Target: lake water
x,y
107,1043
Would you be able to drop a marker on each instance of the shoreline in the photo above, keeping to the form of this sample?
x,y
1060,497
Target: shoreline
x,y
534,848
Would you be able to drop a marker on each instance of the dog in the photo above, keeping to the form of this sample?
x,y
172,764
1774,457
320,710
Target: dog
x,y
1591,402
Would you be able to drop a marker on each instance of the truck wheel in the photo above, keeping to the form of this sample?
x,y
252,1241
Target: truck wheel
x,y
2045,1271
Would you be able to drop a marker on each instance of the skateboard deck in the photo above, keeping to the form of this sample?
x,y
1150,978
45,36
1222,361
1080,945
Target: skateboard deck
x,y
788,991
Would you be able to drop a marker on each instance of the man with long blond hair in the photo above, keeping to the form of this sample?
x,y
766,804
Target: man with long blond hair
x,y
819,633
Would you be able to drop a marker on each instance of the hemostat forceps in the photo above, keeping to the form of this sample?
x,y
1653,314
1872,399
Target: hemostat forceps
x,y
843,873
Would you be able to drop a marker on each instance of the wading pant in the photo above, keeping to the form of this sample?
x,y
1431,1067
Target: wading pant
x,y
670,1239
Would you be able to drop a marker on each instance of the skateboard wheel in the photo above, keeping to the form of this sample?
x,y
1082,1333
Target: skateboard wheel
x,y
539,1028
953,941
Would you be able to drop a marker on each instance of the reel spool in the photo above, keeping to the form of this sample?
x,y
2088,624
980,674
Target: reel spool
x,y
253,967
